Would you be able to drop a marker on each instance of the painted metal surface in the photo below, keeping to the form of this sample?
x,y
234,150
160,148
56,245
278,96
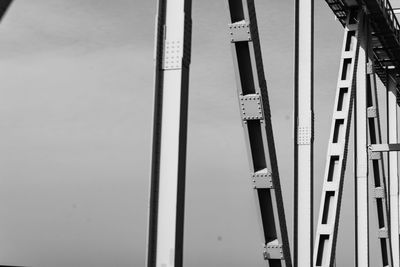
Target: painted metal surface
x,y
393,170
360,149
256,122
303,133
384,147
167,192
4,5
328,220
376,174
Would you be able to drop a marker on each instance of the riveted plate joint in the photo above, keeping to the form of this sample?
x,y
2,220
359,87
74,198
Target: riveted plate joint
x,y
250,107
273,251
372,112
172,57
240,31
379,192
383,233
374,155
370,68
304,135
262,179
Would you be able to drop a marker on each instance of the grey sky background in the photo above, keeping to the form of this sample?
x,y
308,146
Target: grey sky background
x,y
76,114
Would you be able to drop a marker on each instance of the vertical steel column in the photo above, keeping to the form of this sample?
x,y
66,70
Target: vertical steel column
x,y
360,151
256,122
167,192
377,170
328,220
393,169
303,133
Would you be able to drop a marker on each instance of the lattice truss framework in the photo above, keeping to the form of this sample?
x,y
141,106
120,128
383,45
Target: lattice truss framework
x,y
370,45
371,48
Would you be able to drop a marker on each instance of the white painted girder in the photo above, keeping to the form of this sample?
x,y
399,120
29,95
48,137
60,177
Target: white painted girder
x,y
360,154
304,132
329,210
393,170
165,242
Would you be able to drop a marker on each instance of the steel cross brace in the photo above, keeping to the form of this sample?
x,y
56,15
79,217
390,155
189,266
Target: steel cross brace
x,y
326,236
377,173
356,74
256,122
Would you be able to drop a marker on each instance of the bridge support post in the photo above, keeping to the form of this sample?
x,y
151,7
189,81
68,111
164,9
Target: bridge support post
x,y
393,169
167,192
360,150
303,133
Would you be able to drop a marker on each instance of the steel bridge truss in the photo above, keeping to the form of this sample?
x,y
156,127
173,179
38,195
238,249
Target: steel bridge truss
x,y
256,121
370,49
356,87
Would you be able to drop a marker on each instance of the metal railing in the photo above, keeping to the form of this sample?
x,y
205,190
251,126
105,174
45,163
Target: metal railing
x,y
390,17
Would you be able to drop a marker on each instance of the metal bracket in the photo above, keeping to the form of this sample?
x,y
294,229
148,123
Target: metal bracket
x,y
251,107
370,68
384,147
379,192
273,251
383,233
372,112
262,179
374,155
304,135
240,31
172,57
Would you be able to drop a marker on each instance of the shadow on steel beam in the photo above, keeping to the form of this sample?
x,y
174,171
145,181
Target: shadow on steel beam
x,y
4,4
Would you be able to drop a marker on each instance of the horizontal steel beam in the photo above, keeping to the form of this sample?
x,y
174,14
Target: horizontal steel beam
x,y
384,147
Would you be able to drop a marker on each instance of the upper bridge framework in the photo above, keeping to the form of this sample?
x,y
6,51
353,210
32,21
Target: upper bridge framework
x,y
385,31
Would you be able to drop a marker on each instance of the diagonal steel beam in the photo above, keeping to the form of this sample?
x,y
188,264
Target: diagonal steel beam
x,y
4,5
329,212
257,126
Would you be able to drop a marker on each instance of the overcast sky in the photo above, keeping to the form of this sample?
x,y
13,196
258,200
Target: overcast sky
x,y
76,102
